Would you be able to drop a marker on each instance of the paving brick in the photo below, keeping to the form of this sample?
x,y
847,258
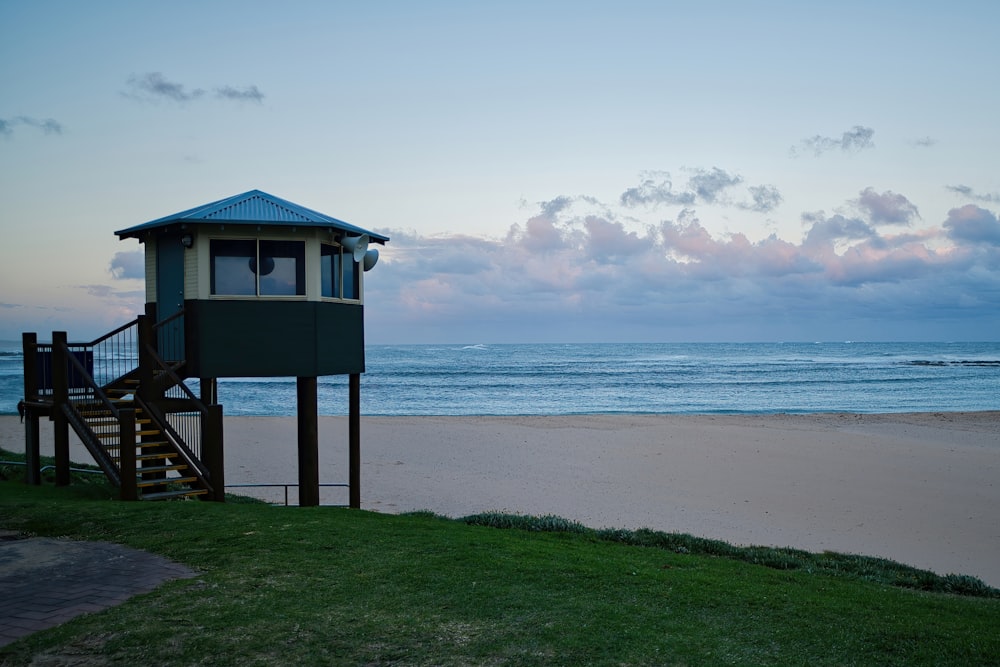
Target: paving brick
x,y
49,581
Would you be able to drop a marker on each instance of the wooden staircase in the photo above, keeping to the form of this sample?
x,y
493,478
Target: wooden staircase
x,y
162,470
130,407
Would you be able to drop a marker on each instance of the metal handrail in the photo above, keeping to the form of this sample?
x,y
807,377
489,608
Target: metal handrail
x,y
108,335
285,486
90,471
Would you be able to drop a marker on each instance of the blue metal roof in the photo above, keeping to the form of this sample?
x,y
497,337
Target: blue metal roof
x,y
251,208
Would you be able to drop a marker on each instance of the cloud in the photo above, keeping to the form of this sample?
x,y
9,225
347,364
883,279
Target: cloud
x,y
969,193
705,186
154,86
888,207
856,139
765,198
923,142
46,125
825,231
971,224
576,269
656,188
708,185
100,291
129,264
248,94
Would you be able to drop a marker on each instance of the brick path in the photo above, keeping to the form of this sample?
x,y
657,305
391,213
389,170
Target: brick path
x,y
46,581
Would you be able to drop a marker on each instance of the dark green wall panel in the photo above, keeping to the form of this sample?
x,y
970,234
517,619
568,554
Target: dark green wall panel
x,y
274,338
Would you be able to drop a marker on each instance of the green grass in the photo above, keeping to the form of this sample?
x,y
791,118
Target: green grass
x,y
281,586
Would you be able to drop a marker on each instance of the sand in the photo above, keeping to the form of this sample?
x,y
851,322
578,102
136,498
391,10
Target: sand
x,y
923,489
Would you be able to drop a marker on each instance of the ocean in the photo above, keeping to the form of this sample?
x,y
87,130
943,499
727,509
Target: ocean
x,y
693,378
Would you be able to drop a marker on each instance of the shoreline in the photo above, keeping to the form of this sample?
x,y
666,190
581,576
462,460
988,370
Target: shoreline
x,y
919,488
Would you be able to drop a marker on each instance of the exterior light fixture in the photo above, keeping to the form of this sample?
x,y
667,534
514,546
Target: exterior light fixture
x,y
187,240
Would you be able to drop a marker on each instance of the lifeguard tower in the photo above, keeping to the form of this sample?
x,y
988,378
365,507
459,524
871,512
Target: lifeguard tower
x,y
248,286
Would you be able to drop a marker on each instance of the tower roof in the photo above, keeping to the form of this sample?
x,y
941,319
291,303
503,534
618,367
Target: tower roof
x,y
250,208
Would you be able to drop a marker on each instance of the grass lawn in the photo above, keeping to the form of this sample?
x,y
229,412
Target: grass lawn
x,y
316,586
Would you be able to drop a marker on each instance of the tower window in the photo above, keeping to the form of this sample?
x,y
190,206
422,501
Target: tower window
x,y
339,273
248,267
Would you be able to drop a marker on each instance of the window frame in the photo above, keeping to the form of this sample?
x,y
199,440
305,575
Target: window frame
x,y
301,268
339,261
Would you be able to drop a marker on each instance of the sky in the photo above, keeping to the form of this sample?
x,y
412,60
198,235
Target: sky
x,y
547,171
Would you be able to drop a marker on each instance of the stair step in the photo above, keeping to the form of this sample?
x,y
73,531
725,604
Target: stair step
x,y
153,457
159,456
115,434
145,432
165,480
167,495
110,421
151,443
170,467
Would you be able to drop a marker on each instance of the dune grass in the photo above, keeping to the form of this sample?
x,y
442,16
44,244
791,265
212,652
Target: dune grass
x,y
280,586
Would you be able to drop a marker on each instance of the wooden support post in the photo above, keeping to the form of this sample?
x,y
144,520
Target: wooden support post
x,y
146,365
126,454
308,442
354,441
209,390
33,469
212,451
60,396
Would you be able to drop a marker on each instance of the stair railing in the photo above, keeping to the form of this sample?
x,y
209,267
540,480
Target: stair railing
x,y
113,422
180,415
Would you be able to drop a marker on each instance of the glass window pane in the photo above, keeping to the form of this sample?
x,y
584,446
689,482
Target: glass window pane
x,y
282,268
351,285
232,263
330,270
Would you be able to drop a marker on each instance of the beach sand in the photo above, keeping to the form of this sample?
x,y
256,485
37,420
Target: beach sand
x,y
923,489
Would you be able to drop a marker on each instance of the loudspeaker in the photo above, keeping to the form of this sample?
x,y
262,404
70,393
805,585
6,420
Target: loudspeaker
x,y
371,257
356,245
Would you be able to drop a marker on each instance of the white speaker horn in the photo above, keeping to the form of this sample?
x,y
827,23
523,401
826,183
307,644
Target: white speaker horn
x,y
356,245
371,258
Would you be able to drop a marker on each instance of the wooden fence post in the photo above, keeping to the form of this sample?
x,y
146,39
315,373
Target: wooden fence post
x,y
145,340
60,396
33,469
308,424
354,440
126,454
212,451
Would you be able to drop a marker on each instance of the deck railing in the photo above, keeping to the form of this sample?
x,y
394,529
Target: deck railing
x,y
104,360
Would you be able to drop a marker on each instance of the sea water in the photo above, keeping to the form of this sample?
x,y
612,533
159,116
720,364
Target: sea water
x,y
553,379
